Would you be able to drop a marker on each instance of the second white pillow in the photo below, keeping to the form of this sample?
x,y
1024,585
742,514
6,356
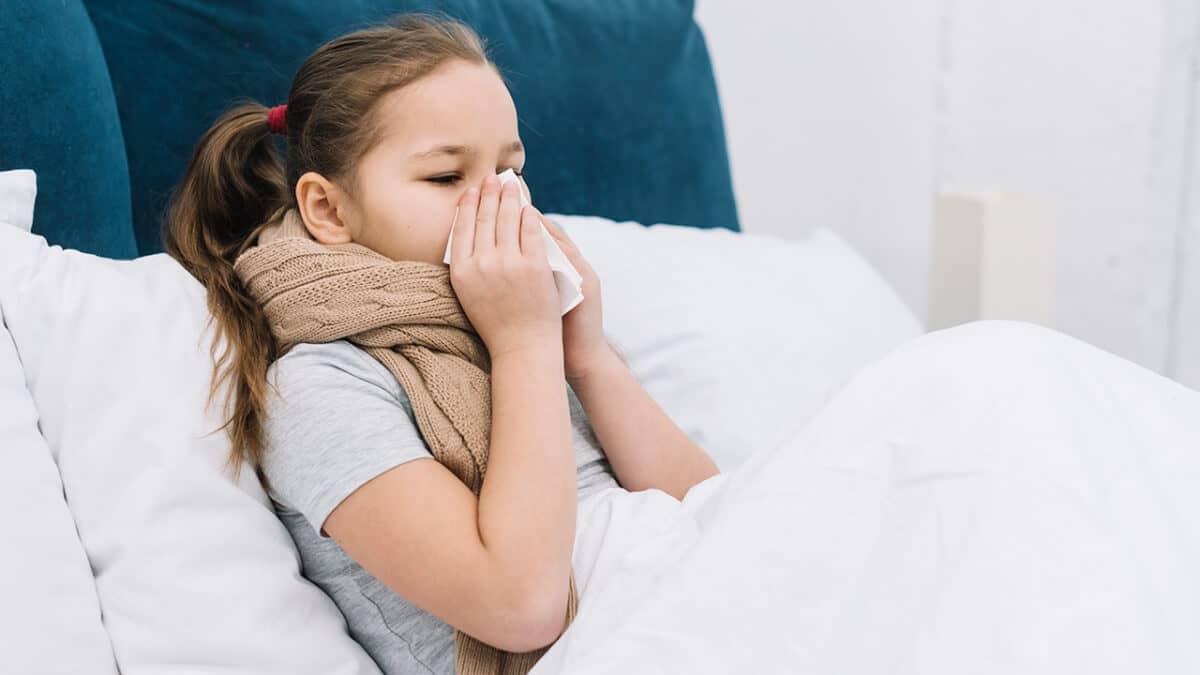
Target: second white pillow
x,y
739,337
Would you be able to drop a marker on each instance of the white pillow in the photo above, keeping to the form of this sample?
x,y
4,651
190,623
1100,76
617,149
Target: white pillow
x,y
46,586
739,337
194,572
18,189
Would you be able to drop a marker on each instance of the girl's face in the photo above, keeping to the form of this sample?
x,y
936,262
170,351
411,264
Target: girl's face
x,y
438,136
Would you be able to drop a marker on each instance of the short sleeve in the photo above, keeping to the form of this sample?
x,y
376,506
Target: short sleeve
x,y
336,419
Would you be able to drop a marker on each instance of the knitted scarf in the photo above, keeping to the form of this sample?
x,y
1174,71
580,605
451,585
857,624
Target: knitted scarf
x,y
406,315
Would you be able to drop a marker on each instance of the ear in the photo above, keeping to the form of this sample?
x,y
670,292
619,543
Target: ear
x,y
324,208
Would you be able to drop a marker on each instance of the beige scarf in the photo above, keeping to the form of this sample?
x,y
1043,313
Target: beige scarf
x,y
406,315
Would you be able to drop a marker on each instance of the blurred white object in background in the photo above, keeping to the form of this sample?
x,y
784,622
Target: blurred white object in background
x,y
992,257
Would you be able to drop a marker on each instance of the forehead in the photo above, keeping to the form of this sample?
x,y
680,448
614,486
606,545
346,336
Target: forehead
x,y
458,103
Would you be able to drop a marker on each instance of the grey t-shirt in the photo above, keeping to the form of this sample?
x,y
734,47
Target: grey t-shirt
x,y
340,420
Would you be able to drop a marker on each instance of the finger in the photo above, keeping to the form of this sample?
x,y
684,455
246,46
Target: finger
x,y
531,235
568,247
560,235
485,217
508,221
463,227
555,229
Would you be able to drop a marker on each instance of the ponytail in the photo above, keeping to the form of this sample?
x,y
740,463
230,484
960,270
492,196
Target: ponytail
x,y
233,184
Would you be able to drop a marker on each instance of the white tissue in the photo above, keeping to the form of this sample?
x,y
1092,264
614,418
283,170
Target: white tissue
x,y
566,277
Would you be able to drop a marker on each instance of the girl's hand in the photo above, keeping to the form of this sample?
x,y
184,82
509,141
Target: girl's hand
x,y
499,271
584,344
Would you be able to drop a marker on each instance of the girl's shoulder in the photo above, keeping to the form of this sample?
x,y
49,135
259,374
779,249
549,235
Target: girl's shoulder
x,y
312,364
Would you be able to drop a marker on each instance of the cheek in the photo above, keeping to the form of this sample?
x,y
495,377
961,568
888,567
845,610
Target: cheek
x,y
413,222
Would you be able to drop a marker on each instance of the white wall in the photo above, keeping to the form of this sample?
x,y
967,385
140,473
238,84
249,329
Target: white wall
x,y
1184,357
854,113
827,108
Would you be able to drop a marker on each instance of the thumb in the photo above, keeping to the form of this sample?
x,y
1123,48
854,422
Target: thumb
x,y
564,242
556,231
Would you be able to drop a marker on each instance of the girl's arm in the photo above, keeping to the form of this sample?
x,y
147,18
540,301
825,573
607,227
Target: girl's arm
x,y
645,448
496,567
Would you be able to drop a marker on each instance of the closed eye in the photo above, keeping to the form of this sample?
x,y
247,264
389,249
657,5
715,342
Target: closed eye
x,y
452,178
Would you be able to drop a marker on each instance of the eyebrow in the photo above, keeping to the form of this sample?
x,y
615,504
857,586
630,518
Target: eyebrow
x,y
455,150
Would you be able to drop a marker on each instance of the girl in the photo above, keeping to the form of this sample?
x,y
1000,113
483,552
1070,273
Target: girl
x,y
433,428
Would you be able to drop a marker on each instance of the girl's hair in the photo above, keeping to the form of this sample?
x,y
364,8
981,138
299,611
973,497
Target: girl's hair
x,y
236,181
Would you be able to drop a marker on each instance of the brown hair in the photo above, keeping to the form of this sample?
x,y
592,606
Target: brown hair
x,y
236,181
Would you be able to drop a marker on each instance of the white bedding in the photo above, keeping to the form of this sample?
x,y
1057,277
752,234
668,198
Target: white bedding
x,y
995,498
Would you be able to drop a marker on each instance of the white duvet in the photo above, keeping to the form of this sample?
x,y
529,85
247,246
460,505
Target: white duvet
x,y
995,498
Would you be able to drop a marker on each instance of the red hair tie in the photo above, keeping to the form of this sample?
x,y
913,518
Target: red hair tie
x,y
277,119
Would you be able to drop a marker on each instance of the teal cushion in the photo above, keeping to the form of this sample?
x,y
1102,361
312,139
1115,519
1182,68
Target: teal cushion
x,y
60,119
616,98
